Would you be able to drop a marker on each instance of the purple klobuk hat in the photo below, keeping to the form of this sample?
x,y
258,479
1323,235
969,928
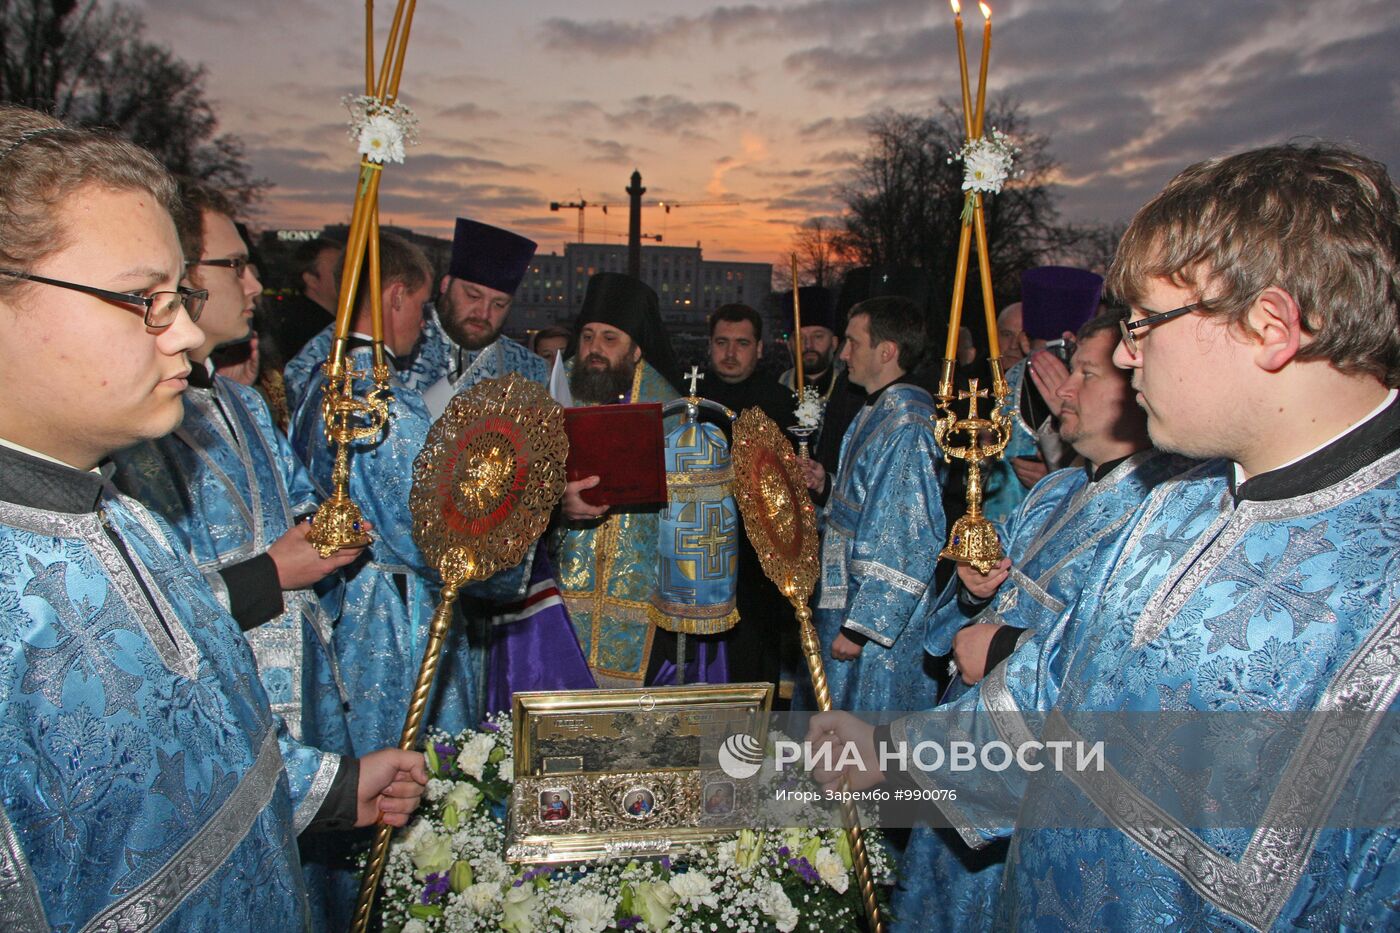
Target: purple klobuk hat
x,y
490,256
1055,299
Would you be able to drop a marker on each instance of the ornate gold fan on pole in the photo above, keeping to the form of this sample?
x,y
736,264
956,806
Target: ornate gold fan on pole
x,y
484,486
782,525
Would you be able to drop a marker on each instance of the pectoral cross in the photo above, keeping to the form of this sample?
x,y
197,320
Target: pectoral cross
x,y
972,394
694,376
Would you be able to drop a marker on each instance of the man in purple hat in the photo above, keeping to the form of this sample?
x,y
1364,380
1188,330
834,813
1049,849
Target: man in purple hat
x,y
463,343
1055,302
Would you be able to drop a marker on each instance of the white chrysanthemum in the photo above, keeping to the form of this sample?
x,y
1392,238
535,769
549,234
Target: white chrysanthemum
x,y
381,139
829,867
481,897
589,912
694,889
475,752
776,905
809,408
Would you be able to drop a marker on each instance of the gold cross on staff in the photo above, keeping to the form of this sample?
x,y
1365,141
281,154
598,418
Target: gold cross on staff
x,y
694,376
972,394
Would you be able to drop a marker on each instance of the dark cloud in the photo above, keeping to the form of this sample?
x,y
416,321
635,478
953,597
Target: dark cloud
x,y
670,114
814,199
833,128
607,150
467,111
749,22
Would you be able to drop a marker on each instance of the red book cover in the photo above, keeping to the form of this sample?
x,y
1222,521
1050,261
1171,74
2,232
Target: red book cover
x,y
625,445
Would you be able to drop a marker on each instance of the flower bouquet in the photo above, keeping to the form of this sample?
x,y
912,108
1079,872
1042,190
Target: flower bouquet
x,y
447,870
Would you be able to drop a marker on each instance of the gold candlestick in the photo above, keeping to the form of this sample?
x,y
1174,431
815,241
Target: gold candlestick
x,y
338,522
973,539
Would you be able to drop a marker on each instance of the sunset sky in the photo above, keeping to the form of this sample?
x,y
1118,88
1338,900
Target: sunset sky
x,y
528,102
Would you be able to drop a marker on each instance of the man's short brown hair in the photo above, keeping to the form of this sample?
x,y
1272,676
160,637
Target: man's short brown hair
x,y
43,162
1318,221
399,262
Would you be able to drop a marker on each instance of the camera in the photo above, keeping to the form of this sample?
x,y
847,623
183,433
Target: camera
x,y
1063,349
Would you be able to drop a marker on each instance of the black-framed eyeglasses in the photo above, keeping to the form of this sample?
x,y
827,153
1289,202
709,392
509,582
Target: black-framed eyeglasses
x,y
1151,321
239,264
159,309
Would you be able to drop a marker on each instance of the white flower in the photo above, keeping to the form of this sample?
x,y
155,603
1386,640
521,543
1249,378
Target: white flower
x,y
775,904
655,901
829,866
694,889
381,140
809,408
415,832
436,788
987,162
590,912
481,897
472,759
432,854
380,130
415,926
518,909
463,796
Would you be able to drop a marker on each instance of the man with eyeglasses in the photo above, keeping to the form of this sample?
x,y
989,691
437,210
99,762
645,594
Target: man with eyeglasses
x,y
147,781
230,485
1265,335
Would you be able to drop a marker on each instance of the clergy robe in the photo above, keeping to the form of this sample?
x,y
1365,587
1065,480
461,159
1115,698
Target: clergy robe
x,y
147,784
227,481
610,575
883,529
1280,594
424,366
1003,491
390,597
767,631
1050,540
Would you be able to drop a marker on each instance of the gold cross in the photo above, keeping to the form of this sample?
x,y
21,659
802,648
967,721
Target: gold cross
x,y
972,394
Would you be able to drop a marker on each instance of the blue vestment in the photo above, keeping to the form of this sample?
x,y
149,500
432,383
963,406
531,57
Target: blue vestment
x,y
1287,602
884,527
227,481
390,597
610,572
1003,491
1058,529
146,783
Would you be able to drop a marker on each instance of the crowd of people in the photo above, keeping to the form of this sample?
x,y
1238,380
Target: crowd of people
x,y
1197,507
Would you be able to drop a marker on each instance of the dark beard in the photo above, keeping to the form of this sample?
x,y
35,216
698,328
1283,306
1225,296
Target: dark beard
x,y
447,317
599,387
818,362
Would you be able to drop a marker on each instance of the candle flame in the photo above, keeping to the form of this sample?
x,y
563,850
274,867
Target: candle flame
x,y
986,10
957,7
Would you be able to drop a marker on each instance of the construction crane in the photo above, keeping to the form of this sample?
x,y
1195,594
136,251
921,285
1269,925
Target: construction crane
x,y
667,205
580,205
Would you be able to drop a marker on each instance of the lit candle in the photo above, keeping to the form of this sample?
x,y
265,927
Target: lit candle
x,y
798,384
962,66
982,75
